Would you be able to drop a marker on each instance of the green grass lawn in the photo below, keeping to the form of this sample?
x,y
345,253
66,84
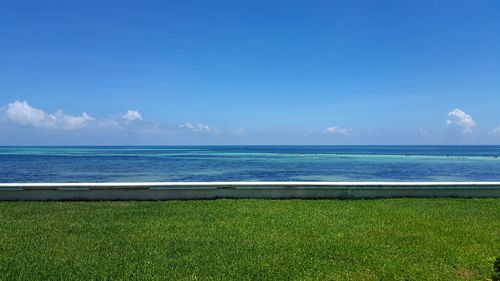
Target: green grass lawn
x,y
395,239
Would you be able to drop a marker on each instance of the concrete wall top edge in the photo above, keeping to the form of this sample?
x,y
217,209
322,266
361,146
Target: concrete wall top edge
x,y
242,185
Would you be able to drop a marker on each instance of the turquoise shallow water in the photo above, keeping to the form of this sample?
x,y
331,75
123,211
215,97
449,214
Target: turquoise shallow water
x,y
250,163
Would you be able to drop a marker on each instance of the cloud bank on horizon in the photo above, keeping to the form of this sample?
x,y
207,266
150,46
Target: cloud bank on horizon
x,y
19,118
22,123
21,113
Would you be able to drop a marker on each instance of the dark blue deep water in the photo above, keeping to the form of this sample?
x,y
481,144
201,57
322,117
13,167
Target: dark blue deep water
x,y
252,163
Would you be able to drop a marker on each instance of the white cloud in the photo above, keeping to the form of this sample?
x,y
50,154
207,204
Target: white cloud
x,y
496,131
72,122
22,113
200,128
462,120
334,130
132,115
187,125
108,123
239,132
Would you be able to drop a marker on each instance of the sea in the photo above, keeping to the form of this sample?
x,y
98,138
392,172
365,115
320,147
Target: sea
x,y
248,163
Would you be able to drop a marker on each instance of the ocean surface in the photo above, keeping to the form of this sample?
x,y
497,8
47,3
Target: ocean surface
x,y
249,163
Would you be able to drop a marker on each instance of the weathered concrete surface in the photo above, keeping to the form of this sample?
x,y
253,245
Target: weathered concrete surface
x,y
268,190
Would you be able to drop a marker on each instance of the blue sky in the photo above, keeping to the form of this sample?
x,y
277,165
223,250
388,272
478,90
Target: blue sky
x,y
250,72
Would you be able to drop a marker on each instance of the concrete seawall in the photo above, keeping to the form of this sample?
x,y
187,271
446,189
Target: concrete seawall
x,y
267,190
